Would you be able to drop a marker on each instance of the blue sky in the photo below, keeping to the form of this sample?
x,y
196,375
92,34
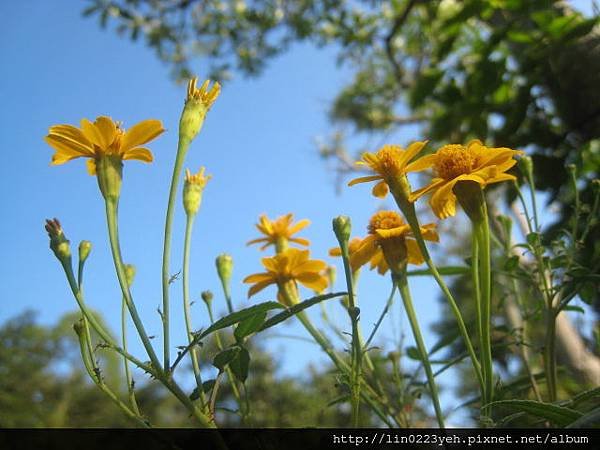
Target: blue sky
x,y
257,142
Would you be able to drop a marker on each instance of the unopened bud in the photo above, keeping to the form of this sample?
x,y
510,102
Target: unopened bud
x,y
85,247
193,188
526,164
207,297
342,227
224,263
197,104
129,274
59,244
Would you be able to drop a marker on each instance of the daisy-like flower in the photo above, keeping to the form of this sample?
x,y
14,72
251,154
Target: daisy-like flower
x,y
103,137
390,166
454,163
279,232
285,270
390,243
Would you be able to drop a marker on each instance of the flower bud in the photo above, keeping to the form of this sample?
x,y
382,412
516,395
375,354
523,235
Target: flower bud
x,y
224,263
207,297
526,165
129,274
85,247
197,104
193,188
59,244
342,227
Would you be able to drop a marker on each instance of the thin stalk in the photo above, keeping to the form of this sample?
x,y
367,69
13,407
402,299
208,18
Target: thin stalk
x,y
476,284
111,218
486,300
387,307
550,354
128,378
354,313
409,212
402,284
186,305
182,148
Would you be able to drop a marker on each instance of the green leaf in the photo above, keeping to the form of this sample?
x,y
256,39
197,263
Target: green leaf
x,y
586,395
206,388
574,308
425,85
297,308
533,238
225,357
248,326
237,317
520,37
413,353
558,415
239,365
446,270
511,263
588,420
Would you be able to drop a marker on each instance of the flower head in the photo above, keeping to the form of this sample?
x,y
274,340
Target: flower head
x,y
197,104
59,244
193,187
390,243
455,163
279,232
286,269
389,164
103,137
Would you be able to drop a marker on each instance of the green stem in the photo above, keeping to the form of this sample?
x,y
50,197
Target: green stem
x,y
354,313
477,285
111,217
387,307
402,284
186,305
409,212
483,234
128,377
182,148
550,354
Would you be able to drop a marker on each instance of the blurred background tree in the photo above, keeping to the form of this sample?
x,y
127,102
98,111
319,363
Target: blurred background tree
x,y
515,73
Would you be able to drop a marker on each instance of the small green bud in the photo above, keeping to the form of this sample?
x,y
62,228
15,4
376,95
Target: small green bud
x,y
342,227
526,164
193,188
85,247
59,244
207,297
224,263
129,274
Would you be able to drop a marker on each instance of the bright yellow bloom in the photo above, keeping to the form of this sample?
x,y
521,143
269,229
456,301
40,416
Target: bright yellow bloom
x,y
453,163
389,163
390,242
206,96
280,231
288,268
353,246
101,138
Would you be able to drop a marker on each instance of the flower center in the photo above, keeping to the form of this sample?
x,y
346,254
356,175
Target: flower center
x,y
454,160
385,220
388,161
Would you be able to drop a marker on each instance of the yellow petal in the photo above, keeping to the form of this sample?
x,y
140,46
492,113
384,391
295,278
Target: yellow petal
x,y
93,134
364,179
313,281
313,265
380,190
336,251
257,241
141,133
61,158
443,201
414,253
393,232
258,287
138,153
106,128
364,252
501,177
258,277
425,162
429,232
435,183
299,226
412,150
91,166
300,241
70,143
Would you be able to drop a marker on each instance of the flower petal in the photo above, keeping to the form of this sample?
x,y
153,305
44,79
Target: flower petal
x,y
364,179
91,166
313,281
312,265
380,190
93,134
425,162
412,150
107,129
300,241
414,253
141,133
298,226
364,252
257,241
435,183
139,153
429,232
259,287
258,277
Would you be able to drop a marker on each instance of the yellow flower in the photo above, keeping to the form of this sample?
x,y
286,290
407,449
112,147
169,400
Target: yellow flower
x,y
453,163
390,242
279,231
193,188
207,97
353,246
197,104
286,269
390,165
100,138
